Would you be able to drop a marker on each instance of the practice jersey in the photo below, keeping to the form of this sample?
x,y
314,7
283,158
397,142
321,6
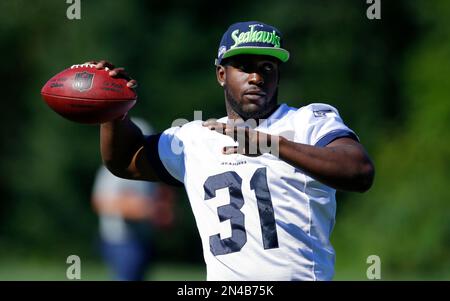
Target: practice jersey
x,y
259,218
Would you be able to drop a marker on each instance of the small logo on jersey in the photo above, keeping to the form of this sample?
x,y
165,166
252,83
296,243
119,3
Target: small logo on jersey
x,y
83,81
322,113
234,163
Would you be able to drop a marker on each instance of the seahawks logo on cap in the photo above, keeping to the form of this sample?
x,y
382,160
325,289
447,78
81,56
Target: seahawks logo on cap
x,y
255,36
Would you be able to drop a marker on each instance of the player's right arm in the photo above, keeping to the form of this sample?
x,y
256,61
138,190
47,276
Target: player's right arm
x,y
123,147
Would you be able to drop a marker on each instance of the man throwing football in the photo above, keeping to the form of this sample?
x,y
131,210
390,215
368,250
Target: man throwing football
x,y
262,180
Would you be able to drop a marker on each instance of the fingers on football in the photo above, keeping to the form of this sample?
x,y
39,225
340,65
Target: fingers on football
x,y
104,64
114,72
132,84
119,73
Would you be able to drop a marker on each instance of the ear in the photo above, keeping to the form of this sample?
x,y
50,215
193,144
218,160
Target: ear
x,y
221,75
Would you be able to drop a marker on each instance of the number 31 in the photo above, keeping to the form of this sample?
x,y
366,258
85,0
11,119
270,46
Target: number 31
x,y
232,211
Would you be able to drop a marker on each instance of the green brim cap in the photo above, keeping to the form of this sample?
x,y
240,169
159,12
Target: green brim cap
x,y
251,38
279,53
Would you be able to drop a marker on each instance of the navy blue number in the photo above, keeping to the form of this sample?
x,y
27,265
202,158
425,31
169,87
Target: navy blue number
x,y
232,212
258,183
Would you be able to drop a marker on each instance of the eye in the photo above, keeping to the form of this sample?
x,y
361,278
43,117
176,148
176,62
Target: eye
x,y
268,67
242,66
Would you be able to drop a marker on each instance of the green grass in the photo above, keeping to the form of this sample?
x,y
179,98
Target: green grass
x,y
38,270
32,270
387,275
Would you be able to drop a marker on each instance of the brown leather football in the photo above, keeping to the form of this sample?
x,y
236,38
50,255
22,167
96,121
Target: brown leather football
x,y
85,94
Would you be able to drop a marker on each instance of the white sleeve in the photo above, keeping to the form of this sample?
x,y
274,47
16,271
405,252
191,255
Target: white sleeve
x,y
171,153
320,124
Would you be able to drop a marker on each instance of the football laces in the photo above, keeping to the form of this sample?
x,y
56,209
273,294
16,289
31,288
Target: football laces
x,y
87,65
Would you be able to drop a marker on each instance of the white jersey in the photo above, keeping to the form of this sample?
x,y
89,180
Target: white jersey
x,y
259,218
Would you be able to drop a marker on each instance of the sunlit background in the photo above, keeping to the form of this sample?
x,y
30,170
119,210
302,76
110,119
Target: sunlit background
x,y
389,78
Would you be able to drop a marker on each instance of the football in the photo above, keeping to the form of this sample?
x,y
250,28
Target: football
x,y
85,94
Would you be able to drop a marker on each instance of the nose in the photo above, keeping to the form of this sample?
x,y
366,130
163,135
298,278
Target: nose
x,y
256,79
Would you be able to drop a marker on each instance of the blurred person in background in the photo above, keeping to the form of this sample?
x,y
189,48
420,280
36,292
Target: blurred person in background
x,y
129,212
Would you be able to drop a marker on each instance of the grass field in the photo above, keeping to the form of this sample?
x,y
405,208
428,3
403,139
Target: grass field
x,y
45,271
33,270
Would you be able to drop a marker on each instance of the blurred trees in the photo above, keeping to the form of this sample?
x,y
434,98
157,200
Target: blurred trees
x,y
389,79
405,218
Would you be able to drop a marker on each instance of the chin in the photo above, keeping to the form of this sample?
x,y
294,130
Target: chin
x,y
252,108
255,111
252,114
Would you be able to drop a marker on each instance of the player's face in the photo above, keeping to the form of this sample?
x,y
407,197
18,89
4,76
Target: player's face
x,y
251,85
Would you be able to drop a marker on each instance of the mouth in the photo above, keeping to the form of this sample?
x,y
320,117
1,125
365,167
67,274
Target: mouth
x,y
254,95
255,92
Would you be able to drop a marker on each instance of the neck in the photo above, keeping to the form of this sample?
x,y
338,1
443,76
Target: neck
x,y
232,114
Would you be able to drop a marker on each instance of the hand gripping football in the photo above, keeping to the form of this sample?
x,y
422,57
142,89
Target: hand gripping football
x,y
85,94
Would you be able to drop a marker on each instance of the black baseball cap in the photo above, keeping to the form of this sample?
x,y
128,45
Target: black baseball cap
x,y
251,37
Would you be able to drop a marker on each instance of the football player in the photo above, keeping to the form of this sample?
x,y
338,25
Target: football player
x,y
262,180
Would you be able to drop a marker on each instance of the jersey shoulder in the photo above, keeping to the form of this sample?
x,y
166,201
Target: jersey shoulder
x,y
315,114
186,130
318,110
318,124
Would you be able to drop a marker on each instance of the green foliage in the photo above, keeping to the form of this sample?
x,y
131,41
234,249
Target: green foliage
x,y
389,79
405,217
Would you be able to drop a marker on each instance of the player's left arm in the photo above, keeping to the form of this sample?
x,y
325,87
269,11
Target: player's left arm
x,y
343,164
